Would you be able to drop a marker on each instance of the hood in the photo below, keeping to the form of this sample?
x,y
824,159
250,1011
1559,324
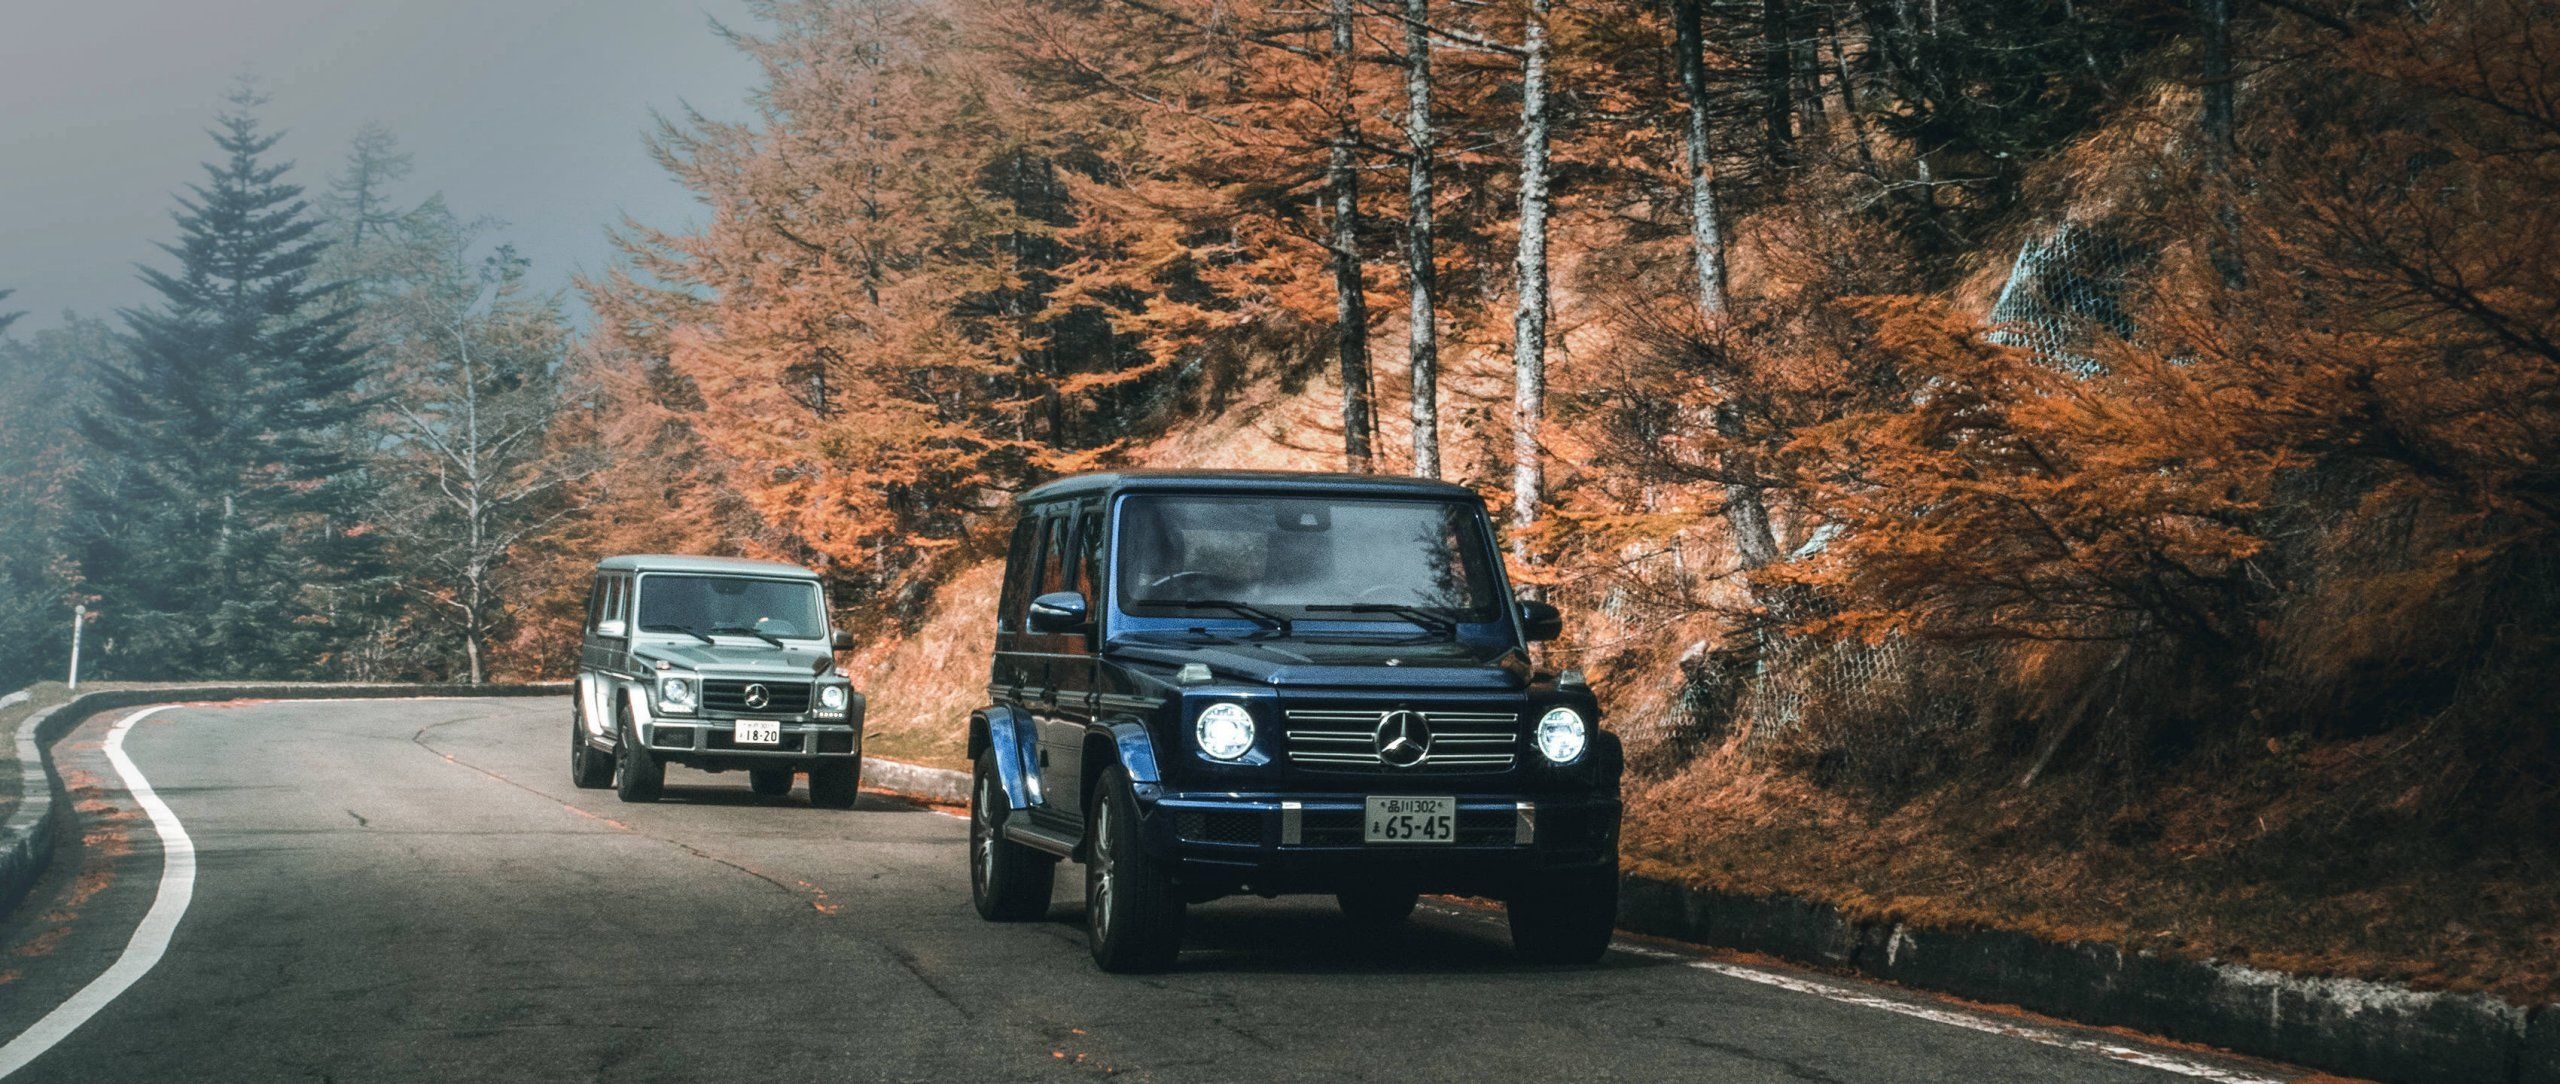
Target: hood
x,y
1312,663
744,660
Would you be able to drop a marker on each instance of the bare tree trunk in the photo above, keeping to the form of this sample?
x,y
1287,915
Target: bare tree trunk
x,y
1706,226
1777,75
2219,136
1529,322
1745,514
1351,302
1423,320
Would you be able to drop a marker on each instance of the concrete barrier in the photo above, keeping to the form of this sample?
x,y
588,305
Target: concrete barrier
x,y
941,785
2351,1026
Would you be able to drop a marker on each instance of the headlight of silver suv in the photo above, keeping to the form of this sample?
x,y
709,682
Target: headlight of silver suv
x,y
833,697
675,694
1561,735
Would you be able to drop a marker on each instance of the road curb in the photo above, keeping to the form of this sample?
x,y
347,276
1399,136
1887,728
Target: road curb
x,y
27,837
2352,1026
942,785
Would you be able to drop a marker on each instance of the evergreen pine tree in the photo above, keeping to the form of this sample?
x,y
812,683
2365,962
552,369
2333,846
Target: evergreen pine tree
x,y
213,520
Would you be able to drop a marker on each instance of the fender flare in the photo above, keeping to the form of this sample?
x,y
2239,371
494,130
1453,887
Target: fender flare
x,y
1009,735
1136,749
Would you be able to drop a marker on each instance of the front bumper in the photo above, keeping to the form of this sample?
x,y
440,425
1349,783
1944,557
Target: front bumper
x,y
700,741
1282,843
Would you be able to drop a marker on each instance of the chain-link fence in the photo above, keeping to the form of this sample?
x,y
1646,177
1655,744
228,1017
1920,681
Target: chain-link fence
x,y
2068,290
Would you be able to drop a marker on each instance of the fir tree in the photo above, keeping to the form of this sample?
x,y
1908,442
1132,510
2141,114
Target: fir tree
x,y
212,519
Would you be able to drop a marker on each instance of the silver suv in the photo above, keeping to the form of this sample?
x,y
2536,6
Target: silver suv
x,y
714,664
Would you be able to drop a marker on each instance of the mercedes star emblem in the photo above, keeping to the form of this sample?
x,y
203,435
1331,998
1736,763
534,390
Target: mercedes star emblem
x,y
758,696
1404,738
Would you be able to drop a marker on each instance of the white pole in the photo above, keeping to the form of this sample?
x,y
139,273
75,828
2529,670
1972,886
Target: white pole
x,y
79,616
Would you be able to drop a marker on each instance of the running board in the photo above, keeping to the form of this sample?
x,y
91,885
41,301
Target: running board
x,y
1038,838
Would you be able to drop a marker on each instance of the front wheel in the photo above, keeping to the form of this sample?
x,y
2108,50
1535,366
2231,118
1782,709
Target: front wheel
x,y
589,767
637,776
1566,918
1008,882
835,784
1132,907
770,782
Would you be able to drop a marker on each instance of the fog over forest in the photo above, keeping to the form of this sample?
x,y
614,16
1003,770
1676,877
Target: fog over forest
x,y
529,111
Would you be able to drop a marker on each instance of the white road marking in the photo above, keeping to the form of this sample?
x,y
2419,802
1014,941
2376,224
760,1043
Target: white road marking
x,y
150,938
1953,1018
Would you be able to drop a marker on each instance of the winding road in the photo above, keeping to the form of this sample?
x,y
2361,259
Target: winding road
x,y
411,890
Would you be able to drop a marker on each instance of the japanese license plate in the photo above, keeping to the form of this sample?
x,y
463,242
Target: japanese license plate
x,y
1412,820
759,732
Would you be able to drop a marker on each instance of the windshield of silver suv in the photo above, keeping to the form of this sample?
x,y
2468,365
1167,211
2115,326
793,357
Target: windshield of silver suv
x,y
707,606
1275,559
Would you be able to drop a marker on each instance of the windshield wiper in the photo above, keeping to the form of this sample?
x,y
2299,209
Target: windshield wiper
x,y
1416,614
695,633
740,630
1246,610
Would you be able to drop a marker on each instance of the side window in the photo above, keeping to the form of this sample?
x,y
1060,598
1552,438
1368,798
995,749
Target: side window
x,y
595,603
1020,559
617,601
1053,555
1089,553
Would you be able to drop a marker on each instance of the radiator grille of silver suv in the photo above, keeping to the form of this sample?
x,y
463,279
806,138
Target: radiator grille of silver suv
x,y
1347,740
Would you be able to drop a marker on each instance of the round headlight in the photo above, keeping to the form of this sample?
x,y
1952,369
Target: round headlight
x,y
1561,735
675,692
1225,730
833,697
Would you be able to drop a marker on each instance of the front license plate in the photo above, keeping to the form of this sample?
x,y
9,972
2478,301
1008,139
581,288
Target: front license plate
x,y
1413,820
759,732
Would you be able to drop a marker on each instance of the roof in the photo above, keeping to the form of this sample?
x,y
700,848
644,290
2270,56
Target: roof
x,y
723,566
1245,481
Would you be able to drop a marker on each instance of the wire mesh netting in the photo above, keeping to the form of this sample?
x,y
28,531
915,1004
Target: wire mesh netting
x,y
2065,291
2068,290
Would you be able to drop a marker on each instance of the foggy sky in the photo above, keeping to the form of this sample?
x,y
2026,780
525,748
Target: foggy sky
x,y
530,111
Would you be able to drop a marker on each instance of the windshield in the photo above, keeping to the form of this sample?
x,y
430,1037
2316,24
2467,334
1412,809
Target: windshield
x,y
735,605
1325,558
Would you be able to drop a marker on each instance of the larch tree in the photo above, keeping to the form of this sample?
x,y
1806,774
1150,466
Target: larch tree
x,y
1422,276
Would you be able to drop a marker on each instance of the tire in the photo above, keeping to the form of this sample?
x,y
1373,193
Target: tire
x,y
1377,906
590,768
836,784
637,776
1566,919
1008,882
1133,911
770,782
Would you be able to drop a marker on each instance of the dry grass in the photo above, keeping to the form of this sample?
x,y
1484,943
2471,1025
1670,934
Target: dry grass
x,y
2243,861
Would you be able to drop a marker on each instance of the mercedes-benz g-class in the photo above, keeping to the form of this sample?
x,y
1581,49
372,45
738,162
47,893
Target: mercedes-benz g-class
x,y
1215,683
714,664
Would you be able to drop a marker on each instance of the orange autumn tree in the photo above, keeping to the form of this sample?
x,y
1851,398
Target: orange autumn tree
x,y
861,333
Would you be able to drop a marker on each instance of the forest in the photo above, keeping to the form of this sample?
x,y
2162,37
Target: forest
x,y
2087,465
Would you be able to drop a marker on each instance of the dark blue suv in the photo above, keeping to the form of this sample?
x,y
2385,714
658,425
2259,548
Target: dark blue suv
x,y
1212,683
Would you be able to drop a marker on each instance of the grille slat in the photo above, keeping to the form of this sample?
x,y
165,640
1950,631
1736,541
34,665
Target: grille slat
x,y
1345,739
783,697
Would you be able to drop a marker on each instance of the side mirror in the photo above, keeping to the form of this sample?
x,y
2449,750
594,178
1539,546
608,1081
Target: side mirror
x,y
1539,621
842,640
611,630
1058,612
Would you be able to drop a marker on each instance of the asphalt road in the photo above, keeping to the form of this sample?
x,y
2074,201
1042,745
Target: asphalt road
x,y
413,891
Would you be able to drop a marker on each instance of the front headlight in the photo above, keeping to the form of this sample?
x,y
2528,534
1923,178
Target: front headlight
x,y
833,697
1561,735
1225,730
675,693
